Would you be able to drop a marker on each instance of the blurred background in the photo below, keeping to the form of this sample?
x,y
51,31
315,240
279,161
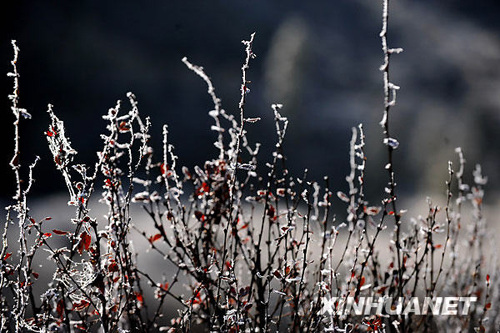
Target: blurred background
x,y
320,59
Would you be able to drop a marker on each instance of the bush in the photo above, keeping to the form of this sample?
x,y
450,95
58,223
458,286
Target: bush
x,y
245,247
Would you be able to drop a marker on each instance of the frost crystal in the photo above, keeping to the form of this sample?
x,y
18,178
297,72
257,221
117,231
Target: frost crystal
x,y
479,179
391,142
246,166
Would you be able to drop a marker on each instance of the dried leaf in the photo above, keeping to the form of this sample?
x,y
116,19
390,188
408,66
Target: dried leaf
x,y
199,216
59,232
371,210
342,196
84,244
60,308
113,267
82,305
154,238
139,297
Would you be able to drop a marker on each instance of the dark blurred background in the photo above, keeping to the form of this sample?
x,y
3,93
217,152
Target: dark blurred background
x,y
320,59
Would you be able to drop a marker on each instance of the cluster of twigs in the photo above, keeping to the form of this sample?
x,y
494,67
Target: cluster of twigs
x,y
243,251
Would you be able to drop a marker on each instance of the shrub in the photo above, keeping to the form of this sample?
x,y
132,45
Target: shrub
x,y
246,247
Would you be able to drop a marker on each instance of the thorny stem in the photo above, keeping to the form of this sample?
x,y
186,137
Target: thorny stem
x,y
236,154
21,207
391,89
448,224
296,321
18,112
217,103
257,269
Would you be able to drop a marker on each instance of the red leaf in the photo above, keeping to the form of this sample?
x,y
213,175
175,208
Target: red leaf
x,y
123,127
487,306
163,168
438,246
197,299
60,308
113,267
81,306
371,210
186,172
261,193
199,216
7,256
154,238
51,131
47,234
80,247
84,244
381,289
362,282
488,278
139,297
204,188
35,274
342,196
59,232
271,211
